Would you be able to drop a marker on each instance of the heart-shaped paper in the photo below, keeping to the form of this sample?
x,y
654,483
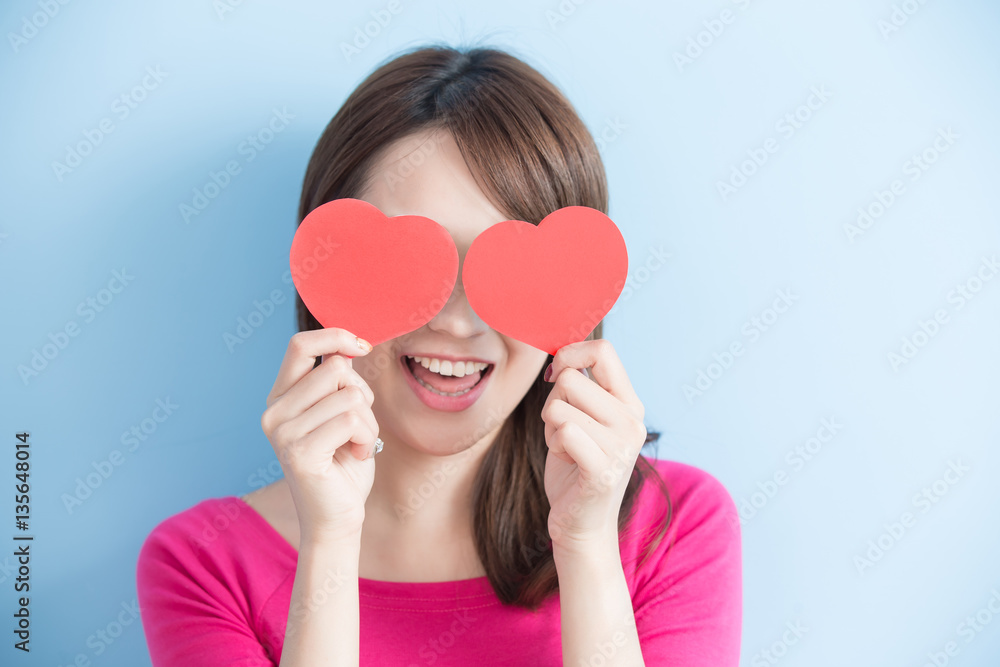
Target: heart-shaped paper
x,y
547,285
375,276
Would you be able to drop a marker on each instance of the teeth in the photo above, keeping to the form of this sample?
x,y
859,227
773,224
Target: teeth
x,y
452,368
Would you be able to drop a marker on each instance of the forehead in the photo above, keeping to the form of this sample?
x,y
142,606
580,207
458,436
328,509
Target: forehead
x,y
425,174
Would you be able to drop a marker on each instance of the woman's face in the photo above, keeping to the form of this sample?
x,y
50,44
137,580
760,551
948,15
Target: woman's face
x,y
442,401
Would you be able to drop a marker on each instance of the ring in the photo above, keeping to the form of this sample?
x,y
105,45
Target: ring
x,y
378,447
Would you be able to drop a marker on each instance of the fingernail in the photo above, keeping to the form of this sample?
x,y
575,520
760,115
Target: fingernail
x,y
548,373
363,344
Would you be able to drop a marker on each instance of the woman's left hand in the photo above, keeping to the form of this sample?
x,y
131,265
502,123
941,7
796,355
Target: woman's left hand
x,y
594,430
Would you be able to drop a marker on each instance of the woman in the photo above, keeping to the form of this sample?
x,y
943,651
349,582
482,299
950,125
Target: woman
x,y
512,520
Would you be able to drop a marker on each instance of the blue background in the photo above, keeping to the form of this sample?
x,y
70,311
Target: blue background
x,y
672,130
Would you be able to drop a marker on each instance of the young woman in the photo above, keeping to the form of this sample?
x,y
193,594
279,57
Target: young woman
x,y
511,520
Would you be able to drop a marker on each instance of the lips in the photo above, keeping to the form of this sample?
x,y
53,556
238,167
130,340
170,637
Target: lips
x,y
444,384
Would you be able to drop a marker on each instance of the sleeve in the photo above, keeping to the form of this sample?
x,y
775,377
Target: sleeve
x,y
689,614
191,615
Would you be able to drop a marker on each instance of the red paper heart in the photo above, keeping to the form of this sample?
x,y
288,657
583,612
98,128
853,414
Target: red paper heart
x,y
375,276
547,285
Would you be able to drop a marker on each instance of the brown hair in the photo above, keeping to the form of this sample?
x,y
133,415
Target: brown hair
x,y
531,154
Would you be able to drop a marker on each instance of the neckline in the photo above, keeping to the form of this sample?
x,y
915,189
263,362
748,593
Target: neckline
x,y
475,587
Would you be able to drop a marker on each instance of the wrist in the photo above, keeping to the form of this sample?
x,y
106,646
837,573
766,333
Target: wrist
x,y
327,543
594,550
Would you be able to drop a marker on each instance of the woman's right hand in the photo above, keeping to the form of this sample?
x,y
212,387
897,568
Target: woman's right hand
x,y
312,413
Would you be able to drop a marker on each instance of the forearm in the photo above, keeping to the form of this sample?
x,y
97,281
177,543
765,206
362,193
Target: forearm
x,y
596,608
323,617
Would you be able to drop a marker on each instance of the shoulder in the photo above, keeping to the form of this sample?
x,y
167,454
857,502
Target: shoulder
x,y
695,496
703,532
198,526
206,539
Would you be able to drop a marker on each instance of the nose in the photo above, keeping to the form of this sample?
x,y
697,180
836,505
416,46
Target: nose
x,y
457,318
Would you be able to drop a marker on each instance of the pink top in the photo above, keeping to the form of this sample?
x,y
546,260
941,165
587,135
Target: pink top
x,y
215,583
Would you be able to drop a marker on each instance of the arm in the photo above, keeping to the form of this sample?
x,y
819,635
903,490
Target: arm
x,y
323,626
596,607
191,612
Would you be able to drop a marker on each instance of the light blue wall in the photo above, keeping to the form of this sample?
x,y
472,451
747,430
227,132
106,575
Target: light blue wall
x,y
672,132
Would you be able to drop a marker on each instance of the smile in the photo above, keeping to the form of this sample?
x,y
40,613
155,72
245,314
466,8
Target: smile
x,y
446,384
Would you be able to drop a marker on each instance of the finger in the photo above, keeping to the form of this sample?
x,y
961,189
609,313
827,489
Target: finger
x,y
589,397
313,388
569,440
305,346
558,412
347,428
600,356
343,400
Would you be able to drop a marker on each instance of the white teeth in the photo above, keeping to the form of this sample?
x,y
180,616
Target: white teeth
x,y
452,368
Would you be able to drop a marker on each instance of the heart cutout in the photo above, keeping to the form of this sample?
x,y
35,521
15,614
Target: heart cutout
x,y
375,276
547,285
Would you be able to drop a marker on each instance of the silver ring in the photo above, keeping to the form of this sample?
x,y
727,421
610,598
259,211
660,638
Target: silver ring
x,y
378,447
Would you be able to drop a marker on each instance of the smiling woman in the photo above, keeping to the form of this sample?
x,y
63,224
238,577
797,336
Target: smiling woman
x,y
538,518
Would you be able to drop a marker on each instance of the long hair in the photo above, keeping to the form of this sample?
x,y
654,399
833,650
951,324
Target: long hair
x,y
531,154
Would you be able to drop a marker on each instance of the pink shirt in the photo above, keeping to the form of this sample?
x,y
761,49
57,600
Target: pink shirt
x,y
215,583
